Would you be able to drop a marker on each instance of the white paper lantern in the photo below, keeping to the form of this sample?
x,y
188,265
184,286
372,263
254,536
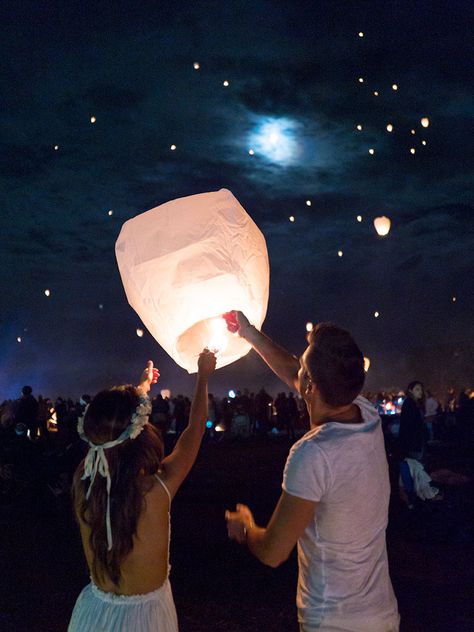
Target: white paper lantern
x,y
382,225
185,263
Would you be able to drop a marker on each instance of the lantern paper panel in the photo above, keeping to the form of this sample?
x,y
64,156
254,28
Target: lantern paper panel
x,y
185,263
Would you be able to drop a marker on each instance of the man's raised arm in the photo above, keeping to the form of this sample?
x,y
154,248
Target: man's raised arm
x,y
281,362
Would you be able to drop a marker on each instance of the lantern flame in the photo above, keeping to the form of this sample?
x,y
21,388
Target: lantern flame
x,y
218,335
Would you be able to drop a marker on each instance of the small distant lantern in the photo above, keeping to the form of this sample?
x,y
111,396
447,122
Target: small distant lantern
x,y
309,327
382,225
389,127
425,121
366,364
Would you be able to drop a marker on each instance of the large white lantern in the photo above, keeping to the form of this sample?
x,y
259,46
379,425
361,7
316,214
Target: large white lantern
x,y
382,225
185,263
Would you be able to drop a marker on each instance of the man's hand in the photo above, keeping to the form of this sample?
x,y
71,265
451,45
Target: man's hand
x,y
239,522
149,376
206,362
237,322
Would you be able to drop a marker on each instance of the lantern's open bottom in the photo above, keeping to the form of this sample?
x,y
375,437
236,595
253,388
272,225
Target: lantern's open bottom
x,y
213,334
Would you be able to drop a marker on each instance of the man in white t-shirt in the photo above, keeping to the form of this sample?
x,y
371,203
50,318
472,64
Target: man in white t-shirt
x,y
336,490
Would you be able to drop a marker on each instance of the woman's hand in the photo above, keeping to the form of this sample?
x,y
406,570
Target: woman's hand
x,y
149,376
237,322
206,362
239,522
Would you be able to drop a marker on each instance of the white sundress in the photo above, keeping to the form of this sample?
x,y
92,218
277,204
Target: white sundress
x,y
99,611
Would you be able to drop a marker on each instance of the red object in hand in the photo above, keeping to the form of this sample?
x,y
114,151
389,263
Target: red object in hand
x,y
156,375
231,321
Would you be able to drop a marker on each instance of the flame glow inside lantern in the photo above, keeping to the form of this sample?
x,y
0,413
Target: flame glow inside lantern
x,y
185,263
382,225
366,364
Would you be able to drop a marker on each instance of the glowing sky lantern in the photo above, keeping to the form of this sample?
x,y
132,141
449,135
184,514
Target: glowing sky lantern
x,y
47,292
425,121
389,127
382,225
139,332
185,263
309,327
196,65
366,364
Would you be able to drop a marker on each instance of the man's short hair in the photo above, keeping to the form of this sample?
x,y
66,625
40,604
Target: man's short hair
x,y
335,364
27,390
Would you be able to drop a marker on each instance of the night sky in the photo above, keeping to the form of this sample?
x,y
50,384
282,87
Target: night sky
x,y
294,97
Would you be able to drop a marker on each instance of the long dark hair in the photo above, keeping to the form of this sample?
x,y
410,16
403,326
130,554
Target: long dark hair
x,y
130,463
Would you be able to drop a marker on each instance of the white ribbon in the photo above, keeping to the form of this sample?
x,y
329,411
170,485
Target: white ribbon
x,y
96,459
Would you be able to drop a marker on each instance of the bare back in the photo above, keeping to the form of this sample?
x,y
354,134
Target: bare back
x,y
146,566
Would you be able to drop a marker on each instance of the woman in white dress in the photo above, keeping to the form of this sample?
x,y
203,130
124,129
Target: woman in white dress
x,y
122,494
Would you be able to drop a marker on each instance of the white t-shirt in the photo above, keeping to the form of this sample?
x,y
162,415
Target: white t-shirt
x,y
342,555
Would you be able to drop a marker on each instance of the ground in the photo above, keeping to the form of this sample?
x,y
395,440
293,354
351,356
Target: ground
x,y
217,585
